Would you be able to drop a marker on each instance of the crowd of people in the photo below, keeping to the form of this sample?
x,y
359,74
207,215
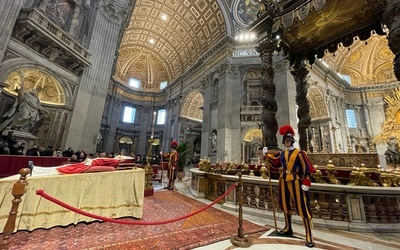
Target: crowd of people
x,y
10,146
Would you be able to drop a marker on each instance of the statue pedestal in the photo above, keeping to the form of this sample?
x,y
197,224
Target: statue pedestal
x,y
22,137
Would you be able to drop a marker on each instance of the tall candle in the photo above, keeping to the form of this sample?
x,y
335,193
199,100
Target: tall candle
x,y
153,124
307,133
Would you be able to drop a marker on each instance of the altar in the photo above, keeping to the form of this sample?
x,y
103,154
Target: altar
x,y
113,194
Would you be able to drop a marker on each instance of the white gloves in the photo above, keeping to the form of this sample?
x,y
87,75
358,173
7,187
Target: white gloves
x,y
265,150
305,188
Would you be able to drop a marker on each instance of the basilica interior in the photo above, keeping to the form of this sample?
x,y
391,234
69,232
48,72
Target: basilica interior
x,y
126,76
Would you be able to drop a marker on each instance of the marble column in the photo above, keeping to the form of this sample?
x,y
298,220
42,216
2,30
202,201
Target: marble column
x,y
268,89
9,11
391,17
300,73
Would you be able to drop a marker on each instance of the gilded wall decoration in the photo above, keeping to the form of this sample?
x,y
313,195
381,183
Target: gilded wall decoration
x,y
252,134
318,107
367,63
391,127
49,90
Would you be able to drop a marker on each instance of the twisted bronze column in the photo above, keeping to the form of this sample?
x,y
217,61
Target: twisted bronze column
x,y
268,90
300,72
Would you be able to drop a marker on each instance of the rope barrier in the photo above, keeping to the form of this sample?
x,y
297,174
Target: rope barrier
x,y
141,223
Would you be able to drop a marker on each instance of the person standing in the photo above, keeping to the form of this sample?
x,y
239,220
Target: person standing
x,y
294,182
172,157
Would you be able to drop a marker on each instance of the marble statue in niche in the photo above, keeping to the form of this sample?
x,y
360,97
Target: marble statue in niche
x,y
59,11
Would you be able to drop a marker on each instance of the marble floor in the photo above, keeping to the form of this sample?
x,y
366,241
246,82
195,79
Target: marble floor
x,y
324,238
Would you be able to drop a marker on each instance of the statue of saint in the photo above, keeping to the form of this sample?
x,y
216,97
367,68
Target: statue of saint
x,y
392,153
25,112
213,139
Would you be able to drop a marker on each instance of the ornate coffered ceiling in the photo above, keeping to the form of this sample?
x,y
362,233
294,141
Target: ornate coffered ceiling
x,y
165,37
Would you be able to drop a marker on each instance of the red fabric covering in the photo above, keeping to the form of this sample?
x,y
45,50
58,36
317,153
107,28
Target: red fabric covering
x,y
81,167
73,168
100,169
105,162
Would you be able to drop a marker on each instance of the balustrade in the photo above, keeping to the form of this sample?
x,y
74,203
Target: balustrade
x,y
346,207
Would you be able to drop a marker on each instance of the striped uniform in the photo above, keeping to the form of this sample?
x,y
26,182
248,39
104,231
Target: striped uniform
x,y
172,164
296,169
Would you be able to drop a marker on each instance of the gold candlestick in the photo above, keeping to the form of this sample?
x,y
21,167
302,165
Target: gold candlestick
x,y
336,149
349,149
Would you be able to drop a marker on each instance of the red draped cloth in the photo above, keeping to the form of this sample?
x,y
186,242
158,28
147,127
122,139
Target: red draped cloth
x,y
83,166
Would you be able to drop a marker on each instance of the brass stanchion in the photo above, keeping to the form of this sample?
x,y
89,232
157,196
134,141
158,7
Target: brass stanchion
x,y
240,240
270,189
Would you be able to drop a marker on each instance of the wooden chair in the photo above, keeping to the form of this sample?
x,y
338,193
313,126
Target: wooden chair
x,y
18,191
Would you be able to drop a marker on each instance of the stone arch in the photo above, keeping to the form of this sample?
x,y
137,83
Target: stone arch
x,y
318,106
252,139
192,107
52,90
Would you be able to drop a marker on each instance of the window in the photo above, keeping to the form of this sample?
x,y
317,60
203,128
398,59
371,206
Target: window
x,y
351,118
347,78
161,117
129,115
134,82
163,85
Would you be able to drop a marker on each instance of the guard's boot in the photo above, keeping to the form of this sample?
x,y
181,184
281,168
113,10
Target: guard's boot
x,y
287,230
308,226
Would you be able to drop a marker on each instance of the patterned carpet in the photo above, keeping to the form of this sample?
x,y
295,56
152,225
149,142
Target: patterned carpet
x,y
207,227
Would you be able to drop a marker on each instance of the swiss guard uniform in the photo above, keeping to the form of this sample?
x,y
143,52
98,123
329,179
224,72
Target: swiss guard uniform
x,y
294,183
173,157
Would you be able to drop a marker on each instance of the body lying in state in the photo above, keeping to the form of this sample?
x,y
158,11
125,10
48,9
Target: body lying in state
x,y
87,166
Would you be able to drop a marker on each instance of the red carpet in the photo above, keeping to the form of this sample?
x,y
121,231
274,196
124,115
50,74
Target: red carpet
x,y
209,226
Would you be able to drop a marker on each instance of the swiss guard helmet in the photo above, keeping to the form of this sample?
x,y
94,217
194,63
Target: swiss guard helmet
x,y
173,145
288,133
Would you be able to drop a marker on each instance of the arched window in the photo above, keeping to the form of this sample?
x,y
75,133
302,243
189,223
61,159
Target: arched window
x,y
129,114
347,78
161,117
163,85
134,82
351,118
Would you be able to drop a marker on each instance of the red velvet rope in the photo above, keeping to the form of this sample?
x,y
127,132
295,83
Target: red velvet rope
x,y
142,223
